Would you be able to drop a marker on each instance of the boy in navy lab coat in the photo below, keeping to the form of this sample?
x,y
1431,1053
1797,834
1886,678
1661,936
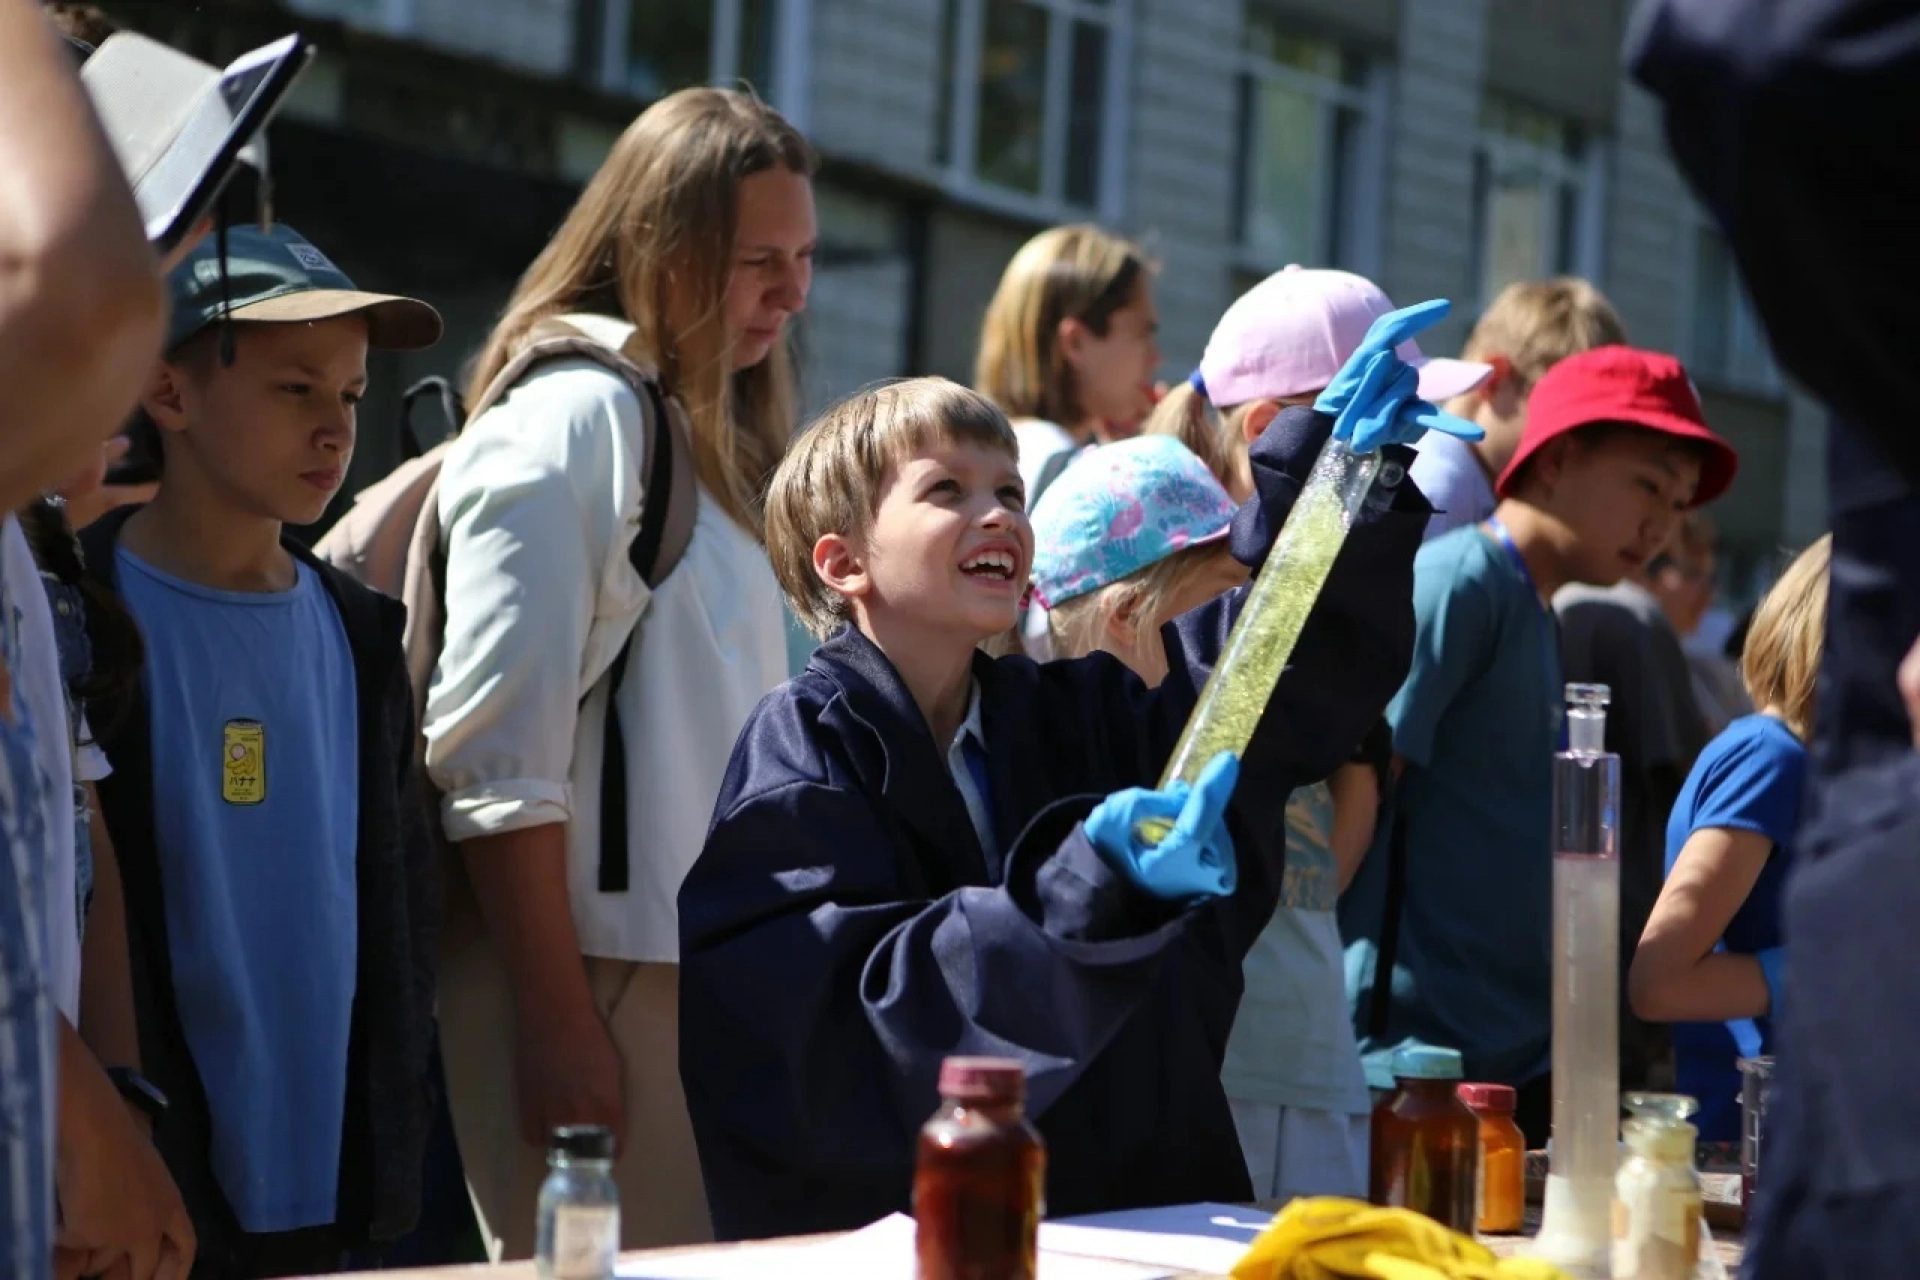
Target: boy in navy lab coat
x,y
917,851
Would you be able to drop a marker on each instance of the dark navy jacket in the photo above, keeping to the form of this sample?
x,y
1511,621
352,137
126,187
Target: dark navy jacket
x,y
843,931
1798,123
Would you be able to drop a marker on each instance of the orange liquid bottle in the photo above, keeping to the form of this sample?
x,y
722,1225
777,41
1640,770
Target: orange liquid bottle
x,y
979,1182
1503,1158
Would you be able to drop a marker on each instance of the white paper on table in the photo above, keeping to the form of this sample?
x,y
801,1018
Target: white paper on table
x,y
1186,1237
881,1251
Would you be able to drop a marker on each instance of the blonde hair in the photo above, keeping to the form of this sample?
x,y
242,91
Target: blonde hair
x,y
1076,272
1080,625
831,480
651,238
1781,662
1218,437
1535,324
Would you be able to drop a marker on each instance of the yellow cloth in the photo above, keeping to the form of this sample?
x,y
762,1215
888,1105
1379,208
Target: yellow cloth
x,y
1331,1239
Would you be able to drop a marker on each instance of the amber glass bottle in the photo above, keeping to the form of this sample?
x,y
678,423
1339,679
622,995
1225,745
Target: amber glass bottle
x,y
1425,1141
979,1182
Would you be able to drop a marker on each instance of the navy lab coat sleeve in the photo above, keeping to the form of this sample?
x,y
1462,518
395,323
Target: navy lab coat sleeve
x,y
1796,121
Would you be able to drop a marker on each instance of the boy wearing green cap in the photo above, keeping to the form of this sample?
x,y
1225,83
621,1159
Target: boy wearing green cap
x,y
279,870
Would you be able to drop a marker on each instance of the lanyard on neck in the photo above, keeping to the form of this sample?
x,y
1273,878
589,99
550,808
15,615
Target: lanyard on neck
x,y
1504,537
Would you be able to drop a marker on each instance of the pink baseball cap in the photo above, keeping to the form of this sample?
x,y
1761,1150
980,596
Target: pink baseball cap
x,y
1291,333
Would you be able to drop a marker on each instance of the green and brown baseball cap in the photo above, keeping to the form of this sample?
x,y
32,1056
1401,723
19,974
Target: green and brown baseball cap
x,y
277,277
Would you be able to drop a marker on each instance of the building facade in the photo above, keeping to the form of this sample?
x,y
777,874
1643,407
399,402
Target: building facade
x,y
1443,147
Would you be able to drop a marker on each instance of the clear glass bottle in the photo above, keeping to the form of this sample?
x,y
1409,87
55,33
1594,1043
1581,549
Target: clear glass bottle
x,y
579,1226
979,1183
1656,1205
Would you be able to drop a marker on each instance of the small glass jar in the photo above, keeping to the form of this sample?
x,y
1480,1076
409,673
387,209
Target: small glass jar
x,y
979,1181
1426,1143
1503,1158
578,1231
1656,1194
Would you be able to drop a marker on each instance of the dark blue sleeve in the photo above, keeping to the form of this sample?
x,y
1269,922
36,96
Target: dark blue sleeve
x,y
820,989
1795,121
1752,782
1353,653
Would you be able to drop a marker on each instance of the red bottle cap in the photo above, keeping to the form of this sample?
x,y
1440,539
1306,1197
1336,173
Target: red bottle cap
x,y
1497,1098
983,1080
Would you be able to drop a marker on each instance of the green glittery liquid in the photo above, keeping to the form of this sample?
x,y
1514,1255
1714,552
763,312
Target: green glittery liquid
x,y
1276,611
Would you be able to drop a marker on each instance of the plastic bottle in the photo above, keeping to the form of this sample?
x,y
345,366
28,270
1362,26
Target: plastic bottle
x,y
1426,1142
578,1236
1503,1158
1656,1206
980,1178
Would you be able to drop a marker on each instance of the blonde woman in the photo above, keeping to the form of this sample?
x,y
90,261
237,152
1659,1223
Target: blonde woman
x,y
690,250
1711,957
1068,348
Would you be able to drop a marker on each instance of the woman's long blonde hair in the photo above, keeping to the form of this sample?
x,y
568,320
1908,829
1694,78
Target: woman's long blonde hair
x,y
1078,272
651,239
1781,662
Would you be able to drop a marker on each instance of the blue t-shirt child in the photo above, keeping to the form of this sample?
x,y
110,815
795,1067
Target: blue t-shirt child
x,y
1749,778
256,810
1477,723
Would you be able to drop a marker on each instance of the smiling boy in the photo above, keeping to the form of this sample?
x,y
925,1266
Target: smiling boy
x,y
280,876
1615,449
915,853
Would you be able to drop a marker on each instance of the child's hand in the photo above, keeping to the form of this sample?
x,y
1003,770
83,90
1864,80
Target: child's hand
x,y
1375,398
1195,858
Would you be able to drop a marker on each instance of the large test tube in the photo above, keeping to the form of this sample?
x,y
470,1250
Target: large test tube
x,y
1276,609
1576,1223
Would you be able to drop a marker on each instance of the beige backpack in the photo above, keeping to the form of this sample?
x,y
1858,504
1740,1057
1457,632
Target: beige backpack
x,y
390,539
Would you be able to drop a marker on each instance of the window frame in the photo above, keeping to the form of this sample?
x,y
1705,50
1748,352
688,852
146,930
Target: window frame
x,y
789,60
1359,224
1751,368
964,23
1585,172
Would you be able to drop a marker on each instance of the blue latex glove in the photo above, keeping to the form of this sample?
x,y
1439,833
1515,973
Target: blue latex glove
x,y
1375,398
1773,964
1194,859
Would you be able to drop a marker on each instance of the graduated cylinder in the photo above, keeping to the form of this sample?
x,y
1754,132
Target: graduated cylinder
x,y
1576,1229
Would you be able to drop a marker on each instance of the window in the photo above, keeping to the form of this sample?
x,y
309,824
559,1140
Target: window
x,y
653,47
1536,200
1030,101
378,15
1307,178
1727,345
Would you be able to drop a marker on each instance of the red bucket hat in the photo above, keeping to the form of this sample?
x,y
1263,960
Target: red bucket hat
x,y
1622,384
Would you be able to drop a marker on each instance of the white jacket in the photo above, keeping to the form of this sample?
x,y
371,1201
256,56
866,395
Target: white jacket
x,y
540,498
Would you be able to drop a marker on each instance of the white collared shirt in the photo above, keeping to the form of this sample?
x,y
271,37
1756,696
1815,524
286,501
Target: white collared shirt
x,y
540,498
979,805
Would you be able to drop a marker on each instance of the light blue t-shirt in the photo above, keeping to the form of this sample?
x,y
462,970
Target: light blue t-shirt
x,y
1292,1043
1477,722
256,806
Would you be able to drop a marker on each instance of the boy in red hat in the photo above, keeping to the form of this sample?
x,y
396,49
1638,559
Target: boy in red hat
x,y
1453,926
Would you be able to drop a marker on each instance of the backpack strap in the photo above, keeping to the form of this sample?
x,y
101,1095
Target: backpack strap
x,y
669,502
1386,953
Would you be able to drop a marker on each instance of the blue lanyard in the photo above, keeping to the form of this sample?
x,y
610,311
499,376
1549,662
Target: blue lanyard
x,y
1505,539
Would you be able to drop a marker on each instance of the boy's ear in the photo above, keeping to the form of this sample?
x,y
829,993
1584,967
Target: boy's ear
x,y
838,563
1547,467
165,398
1256,418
